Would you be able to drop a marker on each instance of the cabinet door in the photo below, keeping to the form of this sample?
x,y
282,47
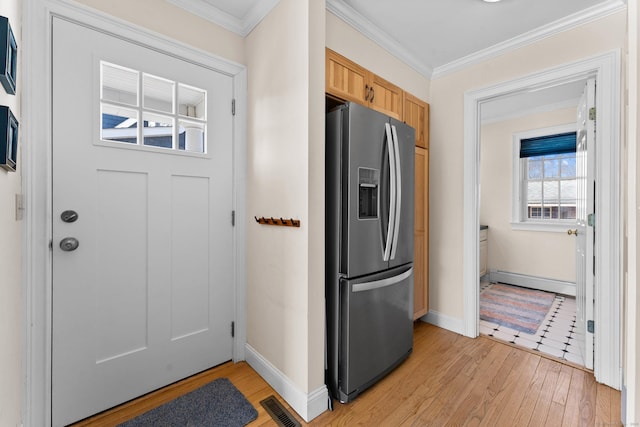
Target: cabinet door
x,y
484,253
416,115
421,235
345,79
385,97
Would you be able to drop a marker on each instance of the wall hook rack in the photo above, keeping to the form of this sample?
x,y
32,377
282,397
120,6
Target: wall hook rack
x,y
278,221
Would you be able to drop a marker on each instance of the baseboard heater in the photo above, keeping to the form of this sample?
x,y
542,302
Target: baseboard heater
x,y
533,282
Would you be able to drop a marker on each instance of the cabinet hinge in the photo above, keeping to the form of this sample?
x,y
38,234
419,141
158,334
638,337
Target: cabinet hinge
x,y
233,218
233,107
590,326
233,329
592,113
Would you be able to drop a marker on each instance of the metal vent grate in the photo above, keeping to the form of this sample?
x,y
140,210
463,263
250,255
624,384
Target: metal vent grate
x,y
280,415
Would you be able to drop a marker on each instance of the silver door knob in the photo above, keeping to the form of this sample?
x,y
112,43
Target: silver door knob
x,y
69,244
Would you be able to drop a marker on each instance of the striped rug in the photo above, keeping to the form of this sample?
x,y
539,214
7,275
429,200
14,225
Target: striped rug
x,y
514,307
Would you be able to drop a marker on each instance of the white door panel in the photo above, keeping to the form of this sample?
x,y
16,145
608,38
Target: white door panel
x,y
585,173
147,297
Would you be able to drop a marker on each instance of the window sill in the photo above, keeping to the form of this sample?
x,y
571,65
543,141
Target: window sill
x,y
553,227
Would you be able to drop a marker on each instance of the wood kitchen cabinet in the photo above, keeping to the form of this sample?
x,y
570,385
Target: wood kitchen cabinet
x,y
416,115
484,250
347,80
421,235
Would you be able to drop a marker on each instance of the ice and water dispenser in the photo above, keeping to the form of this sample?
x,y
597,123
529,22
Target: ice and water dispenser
x,y
368,180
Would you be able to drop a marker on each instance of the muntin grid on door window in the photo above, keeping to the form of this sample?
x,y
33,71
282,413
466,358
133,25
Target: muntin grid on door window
x,y
144,110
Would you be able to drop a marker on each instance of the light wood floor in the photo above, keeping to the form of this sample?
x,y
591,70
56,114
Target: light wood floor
x,y
448,380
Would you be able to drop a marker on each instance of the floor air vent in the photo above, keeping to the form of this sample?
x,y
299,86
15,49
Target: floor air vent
x,y
278,412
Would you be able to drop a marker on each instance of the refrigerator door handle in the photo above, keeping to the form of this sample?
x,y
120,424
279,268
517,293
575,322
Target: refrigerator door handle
x,y
392,196
377,284
396,230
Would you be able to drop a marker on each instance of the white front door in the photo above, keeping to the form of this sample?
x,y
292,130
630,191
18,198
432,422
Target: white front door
x,y
585,174
142,184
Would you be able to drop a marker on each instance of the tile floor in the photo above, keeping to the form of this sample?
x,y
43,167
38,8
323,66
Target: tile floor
x,y
556,336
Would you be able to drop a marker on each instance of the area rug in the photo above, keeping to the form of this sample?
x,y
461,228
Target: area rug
x,y
218,404
517,308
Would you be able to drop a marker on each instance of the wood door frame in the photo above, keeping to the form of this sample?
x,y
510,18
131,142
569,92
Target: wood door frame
x,y
37,173
608,252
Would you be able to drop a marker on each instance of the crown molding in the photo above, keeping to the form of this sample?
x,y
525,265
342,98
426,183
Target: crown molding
x,y
211,13
369,30
580,18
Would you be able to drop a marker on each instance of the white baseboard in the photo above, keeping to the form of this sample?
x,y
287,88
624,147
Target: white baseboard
x,y
452,324
533,282
308,406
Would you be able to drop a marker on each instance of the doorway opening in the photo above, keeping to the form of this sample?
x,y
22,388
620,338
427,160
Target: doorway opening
x,y
528,198
606,69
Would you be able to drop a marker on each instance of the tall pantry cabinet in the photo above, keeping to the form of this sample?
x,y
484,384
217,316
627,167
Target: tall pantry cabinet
x,y
347,81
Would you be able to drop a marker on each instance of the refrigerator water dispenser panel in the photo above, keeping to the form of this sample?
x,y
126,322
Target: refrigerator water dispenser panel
x,y
368,180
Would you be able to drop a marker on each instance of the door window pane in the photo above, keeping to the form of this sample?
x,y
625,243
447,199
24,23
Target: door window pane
x,y
158,130
191,136
192,102
158,93
119,124
119,84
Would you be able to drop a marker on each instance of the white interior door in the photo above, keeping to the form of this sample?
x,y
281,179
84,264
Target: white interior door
x,y
585,173
142,155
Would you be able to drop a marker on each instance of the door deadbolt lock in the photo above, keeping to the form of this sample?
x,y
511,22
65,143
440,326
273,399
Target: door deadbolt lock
x,y
69,244
69,216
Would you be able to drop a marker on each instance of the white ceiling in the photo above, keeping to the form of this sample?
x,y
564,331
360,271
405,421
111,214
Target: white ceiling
x,y
437,34
432,36
436,37
532,101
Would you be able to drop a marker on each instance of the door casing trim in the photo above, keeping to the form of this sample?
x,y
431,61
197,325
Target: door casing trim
x,y
36,163
608,262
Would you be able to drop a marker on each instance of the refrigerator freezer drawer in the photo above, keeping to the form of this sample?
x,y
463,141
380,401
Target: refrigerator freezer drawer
x,y
376,328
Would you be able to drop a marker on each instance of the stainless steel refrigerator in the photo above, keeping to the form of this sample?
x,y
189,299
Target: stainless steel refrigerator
x,y
369,247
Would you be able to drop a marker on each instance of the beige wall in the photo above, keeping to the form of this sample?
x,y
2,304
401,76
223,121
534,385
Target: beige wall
x,y
536,253
447,140
11,304
169,20
348,42
315,273
285,284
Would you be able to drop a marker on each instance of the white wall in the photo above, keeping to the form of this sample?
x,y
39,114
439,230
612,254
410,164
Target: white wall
x,y
548,255
285,178
631,333
447,141
11,303
348,42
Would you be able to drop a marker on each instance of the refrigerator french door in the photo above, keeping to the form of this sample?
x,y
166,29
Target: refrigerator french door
x,y
369,247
